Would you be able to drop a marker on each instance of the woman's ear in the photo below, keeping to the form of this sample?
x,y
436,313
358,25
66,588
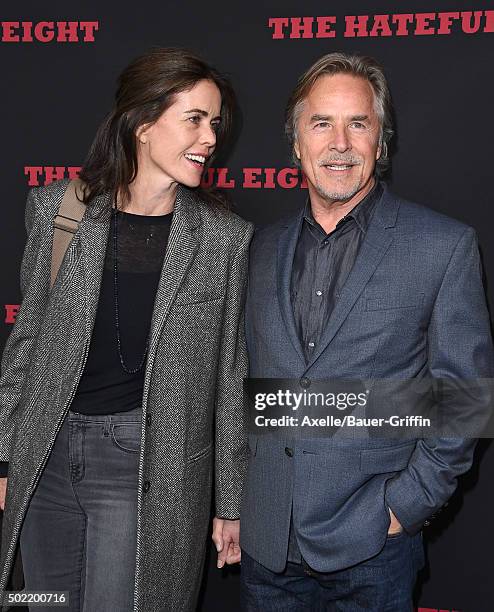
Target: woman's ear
x,y
142,133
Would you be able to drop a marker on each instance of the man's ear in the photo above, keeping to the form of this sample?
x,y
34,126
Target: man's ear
x,y
296,149
382,150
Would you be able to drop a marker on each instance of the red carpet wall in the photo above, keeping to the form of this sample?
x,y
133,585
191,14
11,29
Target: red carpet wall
x,y
59,61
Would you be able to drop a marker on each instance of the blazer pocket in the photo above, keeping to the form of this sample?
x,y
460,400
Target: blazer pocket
x,y
200,454
197,297
382,460
388,302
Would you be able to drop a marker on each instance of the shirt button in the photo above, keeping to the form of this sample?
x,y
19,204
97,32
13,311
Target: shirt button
x,y
148,419
288,451
318,292
304,382
147,486
311,344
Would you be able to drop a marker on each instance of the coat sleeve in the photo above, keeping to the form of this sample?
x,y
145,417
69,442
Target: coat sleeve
x,y
459,347
34,282
230,421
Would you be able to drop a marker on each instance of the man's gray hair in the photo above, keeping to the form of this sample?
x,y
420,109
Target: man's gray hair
x,y
356,65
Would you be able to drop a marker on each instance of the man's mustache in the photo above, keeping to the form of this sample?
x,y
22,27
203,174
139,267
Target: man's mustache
x,y
348,160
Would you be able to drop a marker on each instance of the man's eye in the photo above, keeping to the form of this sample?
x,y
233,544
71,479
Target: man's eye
x,y
358,125
322,125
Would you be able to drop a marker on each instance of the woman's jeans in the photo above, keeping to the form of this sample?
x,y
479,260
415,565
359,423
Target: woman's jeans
x,y
79,534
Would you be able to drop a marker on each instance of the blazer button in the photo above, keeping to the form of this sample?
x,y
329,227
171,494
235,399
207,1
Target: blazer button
x,y
288,451
148,419
147,486
304,382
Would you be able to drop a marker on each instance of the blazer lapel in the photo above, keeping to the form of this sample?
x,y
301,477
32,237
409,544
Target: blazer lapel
x,y
378,238
94,230
180,252
287,244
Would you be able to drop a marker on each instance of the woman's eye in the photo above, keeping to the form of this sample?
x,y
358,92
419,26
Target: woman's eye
x,y
215,126
195,119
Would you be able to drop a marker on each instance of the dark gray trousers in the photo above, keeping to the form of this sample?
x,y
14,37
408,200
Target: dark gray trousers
x,y
79,534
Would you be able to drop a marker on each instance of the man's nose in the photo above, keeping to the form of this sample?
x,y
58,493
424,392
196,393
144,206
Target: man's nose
x,y
340,140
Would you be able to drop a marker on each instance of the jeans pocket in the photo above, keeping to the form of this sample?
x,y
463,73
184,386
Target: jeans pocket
x,y
395,536
127,436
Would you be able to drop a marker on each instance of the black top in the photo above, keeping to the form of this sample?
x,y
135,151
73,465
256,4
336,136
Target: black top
x,y
321,265
105,387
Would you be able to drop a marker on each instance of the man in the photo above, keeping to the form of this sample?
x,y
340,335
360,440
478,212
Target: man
x,y
360,285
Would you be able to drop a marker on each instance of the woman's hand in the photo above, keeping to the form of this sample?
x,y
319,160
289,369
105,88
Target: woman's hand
x,y
3,491
226,537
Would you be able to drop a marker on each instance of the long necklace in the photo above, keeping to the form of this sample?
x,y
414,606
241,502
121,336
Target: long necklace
x,y
115,294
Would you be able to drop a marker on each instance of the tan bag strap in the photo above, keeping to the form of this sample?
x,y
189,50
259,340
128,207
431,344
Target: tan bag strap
x,y
66,224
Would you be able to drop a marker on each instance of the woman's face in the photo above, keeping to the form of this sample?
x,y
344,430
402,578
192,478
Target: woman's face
x,y
177,145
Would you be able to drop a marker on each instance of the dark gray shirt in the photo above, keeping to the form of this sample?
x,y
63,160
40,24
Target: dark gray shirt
x,y
321,265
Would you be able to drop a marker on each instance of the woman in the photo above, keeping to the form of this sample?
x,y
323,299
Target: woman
x,y
121,384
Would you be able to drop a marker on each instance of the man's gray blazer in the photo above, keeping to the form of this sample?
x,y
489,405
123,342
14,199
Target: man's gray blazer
x,y
413,306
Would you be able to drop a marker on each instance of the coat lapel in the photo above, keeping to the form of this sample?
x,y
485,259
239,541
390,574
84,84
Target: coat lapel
x,y
287,244
94,230
180,252
378,238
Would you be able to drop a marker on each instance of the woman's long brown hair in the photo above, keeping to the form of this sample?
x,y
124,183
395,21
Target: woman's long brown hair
x,y
146,88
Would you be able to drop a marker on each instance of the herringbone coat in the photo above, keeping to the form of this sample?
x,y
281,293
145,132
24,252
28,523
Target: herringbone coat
x,y
192,390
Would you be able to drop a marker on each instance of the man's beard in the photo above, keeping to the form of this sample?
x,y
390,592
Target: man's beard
x,y
340,196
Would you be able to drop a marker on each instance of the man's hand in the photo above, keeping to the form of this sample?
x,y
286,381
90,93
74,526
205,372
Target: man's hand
x,y
395,526
3,491
226,538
